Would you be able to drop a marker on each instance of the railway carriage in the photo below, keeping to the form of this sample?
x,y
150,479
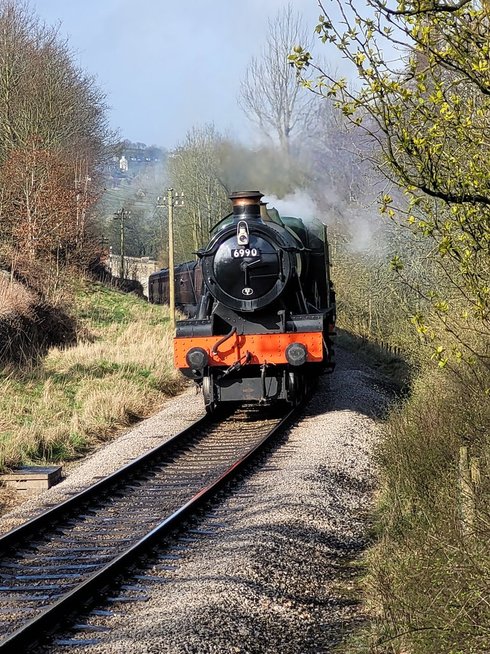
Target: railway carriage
x,y
188,287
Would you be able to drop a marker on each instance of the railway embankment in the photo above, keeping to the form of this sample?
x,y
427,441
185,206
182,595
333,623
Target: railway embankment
x,y
75,388
428,572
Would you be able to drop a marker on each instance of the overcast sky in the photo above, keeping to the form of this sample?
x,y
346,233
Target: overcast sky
x,y
166,65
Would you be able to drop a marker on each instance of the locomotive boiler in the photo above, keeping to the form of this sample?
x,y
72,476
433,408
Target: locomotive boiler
x,y
262,324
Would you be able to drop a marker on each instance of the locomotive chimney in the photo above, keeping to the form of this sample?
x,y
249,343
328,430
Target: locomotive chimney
x,y
246,205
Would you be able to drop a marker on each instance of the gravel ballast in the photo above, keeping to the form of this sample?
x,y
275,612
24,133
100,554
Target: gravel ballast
x,y
274,566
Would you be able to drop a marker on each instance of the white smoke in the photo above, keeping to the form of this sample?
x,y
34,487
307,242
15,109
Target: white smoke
x,y
297,204
361,223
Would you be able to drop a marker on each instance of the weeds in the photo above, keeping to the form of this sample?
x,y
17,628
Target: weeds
x,y
428,577
15,299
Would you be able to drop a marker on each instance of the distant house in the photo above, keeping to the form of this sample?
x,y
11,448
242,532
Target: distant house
x,y
123,164
137,156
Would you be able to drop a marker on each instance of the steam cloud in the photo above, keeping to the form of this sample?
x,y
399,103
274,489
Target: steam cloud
x,y
299,204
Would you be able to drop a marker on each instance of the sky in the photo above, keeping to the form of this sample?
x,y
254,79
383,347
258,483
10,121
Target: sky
x,y
168,65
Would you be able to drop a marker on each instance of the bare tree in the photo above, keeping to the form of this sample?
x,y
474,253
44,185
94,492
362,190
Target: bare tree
x,y
53,137
195,169
270,94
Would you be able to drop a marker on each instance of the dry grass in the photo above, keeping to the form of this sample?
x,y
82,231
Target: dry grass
x,y
15,299
29,325
82,395
428,576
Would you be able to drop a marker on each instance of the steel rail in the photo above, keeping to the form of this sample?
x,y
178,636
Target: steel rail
x,y
83,594
12,537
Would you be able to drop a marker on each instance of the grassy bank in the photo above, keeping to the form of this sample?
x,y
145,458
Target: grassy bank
x,y
119,372
427,574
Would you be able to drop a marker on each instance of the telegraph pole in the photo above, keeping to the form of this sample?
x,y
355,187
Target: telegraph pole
x,y
120,215
122,243
171,258
172,200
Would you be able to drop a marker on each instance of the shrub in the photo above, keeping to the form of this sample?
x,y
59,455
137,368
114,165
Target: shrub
x,y
429,572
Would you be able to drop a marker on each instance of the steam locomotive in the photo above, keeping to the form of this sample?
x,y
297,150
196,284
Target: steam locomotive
x,y
260,307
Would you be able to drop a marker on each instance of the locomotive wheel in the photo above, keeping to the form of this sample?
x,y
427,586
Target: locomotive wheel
x,y
208,394
295,388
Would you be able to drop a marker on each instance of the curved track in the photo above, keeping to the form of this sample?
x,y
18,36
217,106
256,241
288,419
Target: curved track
x,y
55,562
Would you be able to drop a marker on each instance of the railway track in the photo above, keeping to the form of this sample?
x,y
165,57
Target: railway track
x,y
59,561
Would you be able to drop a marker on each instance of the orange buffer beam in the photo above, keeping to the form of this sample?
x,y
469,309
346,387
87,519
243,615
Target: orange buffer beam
x,y
263,348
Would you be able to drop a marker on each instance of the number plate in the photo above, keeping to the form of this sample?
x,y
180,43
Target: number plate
x,y
241,253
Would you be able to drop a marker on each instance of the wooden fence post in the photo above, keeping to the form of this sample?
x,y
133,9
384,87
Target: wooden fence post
x,y
466,491
475,472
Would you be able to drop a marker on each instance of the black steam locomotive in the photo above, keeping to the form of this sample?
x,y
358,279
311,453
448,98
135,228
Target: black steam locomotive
x,y
260,306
